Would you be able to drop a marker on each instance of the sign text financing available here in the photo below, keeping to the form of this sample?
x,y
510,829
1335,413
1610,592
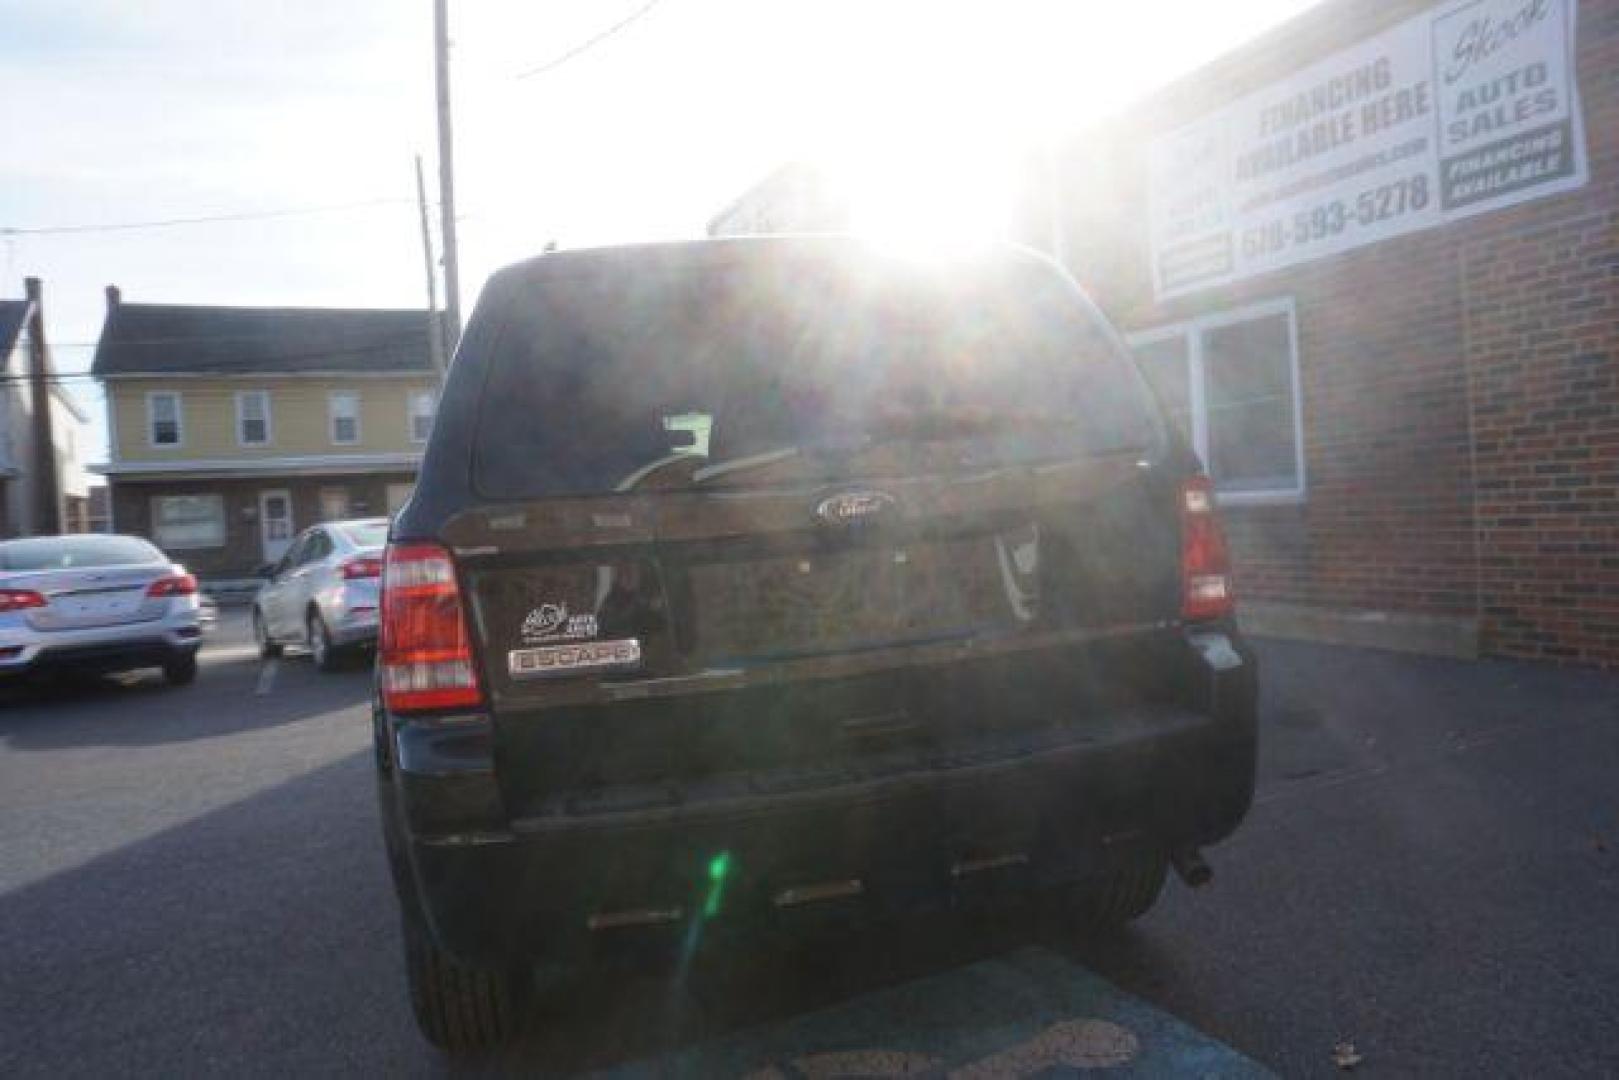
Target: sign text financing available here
x,y
1467,108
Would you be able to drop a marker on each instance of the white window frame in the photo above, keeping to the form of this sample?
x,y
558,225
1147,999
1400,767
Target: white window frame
x,y
170,544
1192,331
179,420
241,418
332,416
411,398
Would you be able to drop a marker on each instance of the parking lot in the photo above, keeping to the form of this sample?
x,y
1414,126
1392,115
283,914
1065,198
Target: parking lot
x,y
191,881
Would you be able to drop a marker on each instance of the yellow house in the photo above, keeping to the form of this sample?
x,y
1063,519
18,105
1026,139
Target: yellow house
x,y
232,428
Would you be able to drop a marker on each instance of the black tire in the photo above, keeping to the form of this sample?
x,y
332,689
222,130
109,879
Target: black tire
x,y
181,671
459,1008
269,648
1122,893
327,656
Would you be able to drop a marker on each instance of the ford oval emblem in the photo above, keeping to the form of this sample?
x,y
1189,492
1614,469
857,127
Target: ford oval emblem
x,y
854,507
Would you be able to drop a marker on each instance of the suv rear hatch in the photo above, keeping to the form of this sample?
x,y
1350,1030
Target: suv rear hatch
x,y
763,523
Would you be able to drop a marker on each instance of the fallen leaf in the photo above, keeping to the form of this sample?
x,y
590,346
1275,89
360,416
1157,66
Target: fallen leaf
x,y
1345,1056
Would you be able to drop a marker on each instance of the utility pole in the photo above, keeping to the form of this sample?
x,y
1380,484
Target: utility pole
x,y
446,172
1059,223
47,485
435,326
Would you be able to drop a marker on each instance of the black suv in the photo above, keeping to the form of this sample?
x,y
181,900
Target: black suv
x,y
778,579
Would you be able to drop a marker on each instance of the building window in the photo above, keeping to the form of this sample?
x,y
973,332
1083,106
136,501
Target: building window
x,y
334,503
422,403
253,418
1230,383
344,406
163,418
181,522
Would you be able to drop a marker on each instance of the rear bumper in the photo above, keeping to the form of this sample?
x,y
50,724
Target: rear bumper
x,y
104,651
350,611
362,631
882,836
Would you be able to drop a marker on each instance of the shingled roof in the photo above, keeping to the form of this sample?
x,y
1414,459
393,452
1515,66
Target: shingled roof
x,y
184,339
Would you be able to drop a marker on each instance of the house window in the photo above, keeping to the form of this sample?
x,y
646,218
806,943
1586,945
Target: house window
x,y
1230,382
163,418
181,522
422,403
253,418
344,407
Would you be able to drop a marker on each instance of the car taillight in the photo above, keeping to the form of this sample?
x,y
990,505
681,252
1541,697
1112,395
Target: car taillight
x,y
362,567
1205,559
20,599
424,656
177,585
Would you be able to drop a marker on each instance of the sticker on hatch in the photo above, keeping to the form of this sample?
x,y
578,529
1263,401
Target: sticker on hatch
x,y
550,622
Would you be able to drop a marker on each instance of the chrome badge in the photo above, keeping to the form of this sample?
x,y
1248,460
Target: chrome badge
x,y
855,507
579,658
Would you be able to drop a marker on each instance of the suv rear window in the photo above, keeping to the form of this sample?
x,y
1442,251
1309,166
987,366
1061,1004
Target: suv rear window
x,y
71,552
599,373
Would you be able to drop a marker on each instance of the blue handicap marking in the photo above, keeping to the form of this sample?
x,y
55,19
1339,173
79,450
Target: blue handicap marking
x,y
1027,1014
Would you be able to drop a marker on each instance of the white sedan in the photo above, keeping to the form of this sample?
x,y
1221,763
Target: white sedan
x,y
322,595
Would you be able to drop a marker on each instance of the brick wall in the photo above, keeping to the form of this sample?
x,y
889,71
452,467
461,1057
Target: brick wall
x,y
1541,289
1459,394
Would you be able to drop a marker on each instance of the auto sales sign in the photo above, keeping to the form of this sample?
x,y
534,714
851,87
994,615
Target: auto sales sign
x,y
1467,108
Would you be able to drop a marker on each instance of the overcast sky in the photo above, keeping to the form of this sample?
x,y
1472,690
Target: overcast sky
x,y
116,112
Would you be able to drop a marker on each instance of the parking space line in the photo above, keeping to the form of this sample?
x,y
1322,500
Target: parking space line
x,y
220,653
267,675
1029,1013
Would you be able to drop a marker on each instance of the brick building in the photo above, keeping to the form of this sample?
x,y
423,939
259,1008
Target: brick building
x,y
1455,415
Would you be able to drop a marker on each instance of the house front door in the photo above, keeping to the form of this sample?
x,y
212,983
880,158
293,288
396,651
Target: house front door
x,y
275,522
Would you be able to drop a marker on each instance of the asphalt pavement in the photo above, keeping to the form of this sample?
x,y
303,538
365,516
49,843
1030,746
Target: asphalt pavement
x,y
191,881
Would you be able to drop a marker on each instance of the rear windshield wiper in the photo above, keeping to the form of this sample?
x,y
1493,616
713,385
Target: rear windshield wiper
x,y
733,466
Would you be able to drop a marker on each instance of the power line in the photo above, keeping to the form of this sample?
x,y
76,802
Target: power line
x,y
200,339
268,367
249,215
591,42
53,377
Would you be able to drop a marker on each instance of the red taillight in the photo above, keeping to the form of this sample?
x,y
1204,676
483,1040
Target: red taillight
x,y
20,599
424,657
1205,560
178,585
362,567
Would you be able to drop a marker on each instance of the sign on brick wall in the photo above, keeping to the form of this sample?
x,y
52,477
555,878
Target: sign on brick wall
x,y
1467,108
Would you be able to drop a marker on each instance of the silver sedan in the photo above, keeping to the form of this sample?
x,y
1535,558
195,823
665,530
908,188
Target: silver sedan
x,y
322,594
96,603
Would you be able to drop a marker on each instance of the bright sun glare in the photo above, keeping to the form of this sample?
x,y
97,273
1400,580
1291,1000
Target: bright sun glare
x,y
934,204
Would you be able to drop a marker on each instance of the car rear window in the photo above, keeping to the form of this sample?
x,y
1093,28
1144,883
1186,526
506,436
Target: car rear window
x,y
366,533
596,372
70,552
